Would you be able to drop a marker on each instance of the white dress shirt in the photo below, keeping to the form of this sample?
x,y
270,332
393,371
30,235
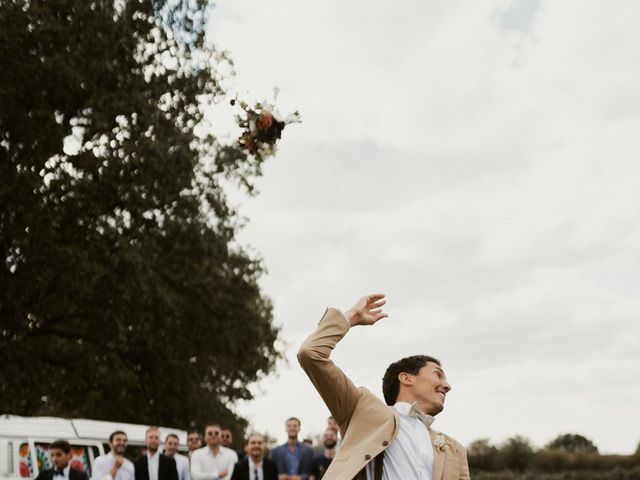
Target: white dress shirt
x,y
65,473
255,469
182,464
410,455
207,466
104,463
153,463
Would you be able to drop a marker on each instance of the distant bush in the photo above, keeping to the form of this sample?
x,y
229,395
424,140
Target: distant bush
x,y
516,454
558,461
572,442
613,474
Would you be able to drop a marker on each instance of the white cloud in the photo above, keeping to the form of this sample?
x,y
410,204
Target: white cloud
x,y
477,162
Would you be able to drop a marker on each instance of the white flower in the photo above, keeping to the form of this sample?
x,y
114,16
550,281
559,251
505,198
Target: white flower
x,y
440,442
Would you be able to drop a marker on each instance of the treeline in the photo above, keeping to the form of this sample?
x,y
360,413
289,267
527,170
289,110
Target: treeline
x,y
568,457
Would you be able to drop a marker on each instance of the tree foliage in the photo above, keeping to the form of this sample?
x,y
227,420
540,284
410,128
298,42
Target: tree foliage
x,y
516,453
482,455
123,292
572,442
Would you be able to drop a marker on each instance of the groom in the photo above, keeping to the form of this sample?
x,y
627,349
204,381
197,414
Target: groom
x,y
382,442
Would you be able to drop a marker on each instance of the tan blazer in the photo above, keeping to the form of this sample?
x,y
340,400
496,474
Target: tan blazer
x,y
367,425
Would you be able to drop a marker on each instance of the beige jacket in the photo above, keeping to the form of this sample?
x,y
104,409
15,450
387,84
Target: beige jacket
x,y
367,425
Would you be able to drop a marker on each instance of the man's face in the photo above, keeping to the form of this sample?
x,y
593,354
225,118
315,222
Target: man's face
x,y
255,446
60,459
332,424
171,446
330,439
212,436
226,438
118,444
193,441
293,428
430,388
152,440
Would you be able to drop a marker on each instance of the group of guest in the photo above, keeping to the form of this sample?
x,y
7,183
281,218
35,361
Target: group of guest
x,y
216,460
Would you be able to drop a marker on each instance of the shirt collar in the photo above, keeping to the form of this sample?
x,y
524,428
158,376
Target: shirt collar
x,y
402,408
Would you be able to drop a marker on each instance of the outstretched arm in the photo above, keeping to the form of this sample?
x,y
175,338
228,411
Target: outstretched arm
x,y
336,389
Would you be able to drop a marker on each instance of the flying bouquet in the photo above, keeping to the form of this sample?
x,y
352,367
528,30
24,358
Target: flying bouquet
x,y
262,126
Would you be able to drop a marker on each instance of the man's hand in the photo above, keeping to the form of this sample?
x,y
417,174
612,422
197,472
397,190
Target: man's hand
x,y
283,476
367,310
116,465
222,473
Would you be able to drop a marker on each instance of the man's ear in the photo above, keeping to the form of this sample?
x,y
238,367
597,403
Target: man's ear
x,y
406,378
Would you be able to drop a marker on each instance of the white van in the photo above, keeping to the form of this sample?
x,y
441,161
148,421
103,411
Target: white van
x,y
24,442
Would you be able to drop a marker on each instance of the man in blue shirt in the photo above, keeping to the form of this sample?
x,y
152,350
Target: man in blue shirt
x,y
293,458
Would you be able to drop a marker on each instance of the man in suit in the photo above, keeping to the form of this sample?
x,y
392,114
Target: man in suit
x,y
154,465
113,465
171,444
392,441
60,452
293,458
254,466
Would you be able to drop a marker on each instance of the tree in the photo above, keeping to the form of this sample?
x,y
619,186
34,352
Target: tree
x,y
482,455
516,453
571,442
123,292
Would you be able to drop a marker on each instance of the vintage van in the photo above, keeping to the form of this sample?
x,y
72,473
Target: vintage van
x,y
24,442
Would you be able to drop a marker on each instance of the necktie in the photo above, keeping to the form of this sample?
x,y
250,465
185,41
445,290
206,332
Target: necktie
x,y
255,474
420,415
58,472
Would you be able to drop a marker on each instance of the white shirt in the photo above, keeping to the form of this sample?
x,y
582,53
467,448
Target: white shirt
x,y
65,473
410,455
153,462
182,464
104,463
206,466
255,468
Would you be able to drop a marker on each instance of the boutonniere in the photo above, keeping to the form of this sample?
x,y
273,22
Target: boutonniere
x,y
439,442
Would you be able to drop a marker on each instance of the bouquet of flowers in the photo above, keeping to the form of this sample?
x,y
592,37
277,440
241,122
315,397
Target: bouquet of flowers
x,y
262,126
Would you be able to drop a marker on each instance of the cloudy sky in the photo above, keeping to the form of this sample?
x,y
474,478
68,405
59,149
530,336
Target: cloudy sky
x,y
478,162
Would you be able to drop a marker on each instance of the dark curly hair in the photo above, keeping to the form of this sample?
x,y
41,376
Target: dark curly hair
x,y
412,365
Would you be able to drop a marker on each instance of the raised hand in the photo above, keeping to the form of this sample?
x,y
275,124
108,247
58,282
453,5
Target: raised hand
x,y
367,310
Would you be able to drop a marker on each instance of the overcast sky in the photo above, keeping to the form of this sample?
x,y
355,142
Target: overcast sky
x,y
478,162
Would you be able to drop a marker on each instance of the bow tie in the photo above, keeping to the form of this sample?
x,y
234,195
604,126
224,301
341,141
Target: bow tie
x,y
420,415
58,472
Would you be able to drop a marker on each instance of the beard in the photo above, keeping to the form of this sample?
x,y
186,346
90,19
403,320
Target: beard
x,y
330,445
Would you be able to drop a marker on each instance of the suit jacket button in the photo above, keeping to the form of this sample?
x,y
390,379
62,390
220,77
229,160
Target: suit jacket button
x,y
367,457
385,443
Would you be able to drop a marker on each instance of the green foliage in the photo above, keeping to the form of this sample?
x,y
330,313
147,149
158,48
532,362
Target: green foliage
x,y
516,459
516,454
482,455
123,293
615,473
571,442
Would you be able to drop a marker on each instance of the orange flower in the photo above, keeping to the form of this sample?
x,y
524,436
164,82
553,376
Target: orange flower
x,y
265,121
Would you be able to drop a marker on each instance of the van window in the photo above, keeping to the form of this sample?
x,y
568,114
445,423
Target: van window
x,y
79,459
